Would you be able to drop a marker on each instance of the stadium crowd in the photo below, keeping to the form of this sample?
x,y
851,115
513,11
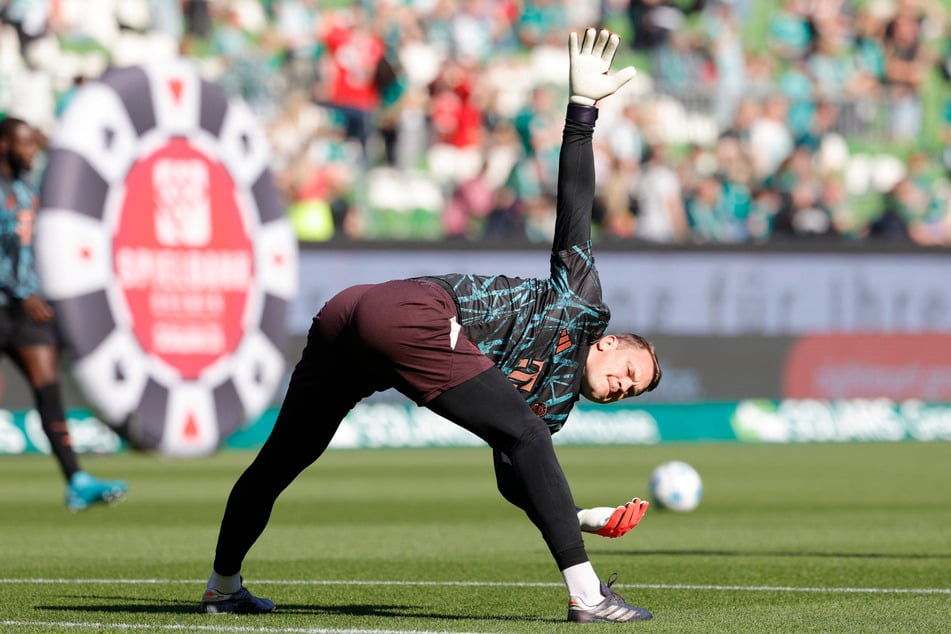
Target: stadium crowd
x,y
441,119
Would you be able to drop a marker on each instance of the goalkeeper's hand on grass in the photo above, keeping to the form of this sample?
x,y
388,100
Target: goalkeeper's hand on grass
x,y
589,63
612,522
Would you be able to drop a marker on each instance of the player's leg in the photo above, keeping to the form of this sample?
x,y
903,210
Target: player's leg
x,y
38,362
309,416
322,390
488,406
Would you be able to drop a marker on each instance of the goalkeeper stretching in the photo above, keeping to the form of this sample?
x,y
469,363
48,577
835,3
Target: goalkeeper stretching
x,y
505,358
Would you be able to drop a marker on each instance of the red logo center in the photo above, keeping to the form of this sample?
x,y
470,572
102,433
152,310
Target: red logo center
x,y
183,258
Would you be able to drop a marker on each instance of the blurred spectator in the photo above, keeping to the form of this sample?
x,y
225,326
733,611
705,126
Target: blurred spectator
x,y
297,23
840,205
720,203
922,213
765,206
678,62
654,20
618,154
473,36
456,116
893,223
506,220
349,72
868,47
906,65
798,85
471,201
625,139
538,19
167,17
617,200
802,214
737,178
709,221
532,114
246,59
661,216
198,17
822,124
723,31
790,30
28,18
829,64
770,140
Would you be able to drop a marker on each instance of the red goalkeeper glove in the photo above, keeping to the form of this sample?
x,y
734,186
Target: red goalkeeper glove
x,y
612,522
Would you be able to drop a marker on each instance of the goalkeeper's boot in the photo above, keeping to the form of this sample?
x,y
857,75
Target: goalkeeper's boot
x,y
85,490
240,602
612,609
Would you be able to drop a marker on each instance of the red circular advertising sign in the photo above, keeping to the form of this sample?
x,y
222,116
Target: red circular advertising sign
x,y
167,253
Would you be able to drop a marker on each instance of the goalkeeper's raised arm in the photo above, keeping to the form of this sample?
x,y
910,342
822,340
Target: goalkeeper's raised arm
x,y
590,80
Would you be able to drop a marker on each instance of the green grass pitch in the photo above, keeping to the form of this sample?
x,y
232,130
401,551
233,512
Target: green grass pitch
x,y
807,538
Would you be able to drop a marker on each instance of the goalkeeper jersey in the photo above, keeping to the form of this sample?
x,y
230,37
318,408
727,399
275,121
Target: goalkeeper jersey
x,y
538,331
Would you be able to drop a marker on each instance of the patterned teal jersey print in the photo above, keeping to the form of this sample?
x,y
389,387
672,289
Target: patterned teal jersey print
x,y
537,331
18,276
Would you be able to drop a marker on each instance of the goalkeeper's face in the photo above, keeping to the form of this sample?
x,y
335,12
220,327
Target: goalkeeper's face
x,y
614,371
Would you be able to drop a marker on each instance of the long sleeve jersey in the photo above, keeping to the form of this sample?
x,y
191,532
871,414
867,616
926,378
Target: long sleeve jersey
x,y
18,276
538,331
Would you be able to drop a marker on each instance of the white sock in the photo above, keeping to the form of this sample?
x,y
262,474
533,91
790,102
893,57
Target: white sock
x,y
583,583
225,584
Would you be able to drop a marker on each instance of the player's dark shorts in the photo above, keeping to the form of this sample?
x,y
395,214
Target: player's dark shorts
x,y
402,334
17,330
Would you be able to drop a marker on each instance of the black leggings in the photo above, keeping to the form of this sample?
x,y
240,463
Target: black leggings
x,y
490,407
317,401
318,398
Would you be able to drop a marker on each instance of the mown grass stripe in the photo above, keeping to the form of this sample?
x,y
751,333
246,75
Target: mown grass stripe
x,y
211,628
494,584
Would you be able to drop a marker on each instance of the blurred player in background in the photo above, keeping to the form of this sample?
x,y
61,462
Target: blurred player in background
x,y
505,358
27,332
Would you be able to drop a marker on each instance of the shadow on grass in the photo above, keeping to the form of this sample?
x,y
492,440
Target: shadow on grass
x,y
134,605
775,553
399,611
123,605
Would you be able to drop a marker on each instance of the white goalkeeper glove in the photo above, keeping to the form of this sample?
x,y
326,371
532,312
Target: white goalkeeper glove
x,y
589,62
612,522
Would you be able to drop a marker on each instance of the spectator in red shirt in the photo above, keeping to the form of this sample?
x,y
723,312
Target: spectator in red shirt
x,y
350,72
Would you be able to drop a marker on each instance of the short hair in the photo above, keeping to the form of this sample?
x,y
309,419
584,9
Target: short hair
x,y
8,127
631,340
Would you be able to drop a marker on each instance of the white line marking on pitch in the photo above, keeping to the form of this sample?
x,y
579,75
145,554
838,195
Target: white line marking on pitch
x,y
214,628
490,584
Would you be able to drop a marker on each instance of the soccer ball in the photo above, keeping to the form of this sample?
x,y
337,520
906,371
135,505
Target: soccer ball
x,y
677,486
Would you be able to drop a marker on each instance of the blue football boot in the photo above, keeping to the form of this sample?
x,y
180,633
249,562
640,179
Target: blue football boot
x,y
85,490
